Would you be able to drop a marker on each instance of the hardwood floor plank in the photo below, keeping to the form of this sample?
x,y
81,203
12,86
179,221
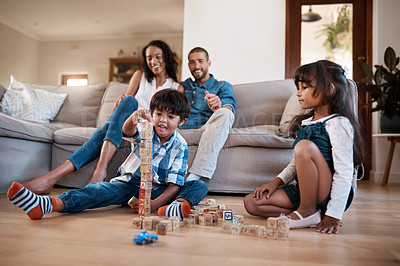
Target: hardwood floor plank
x,y
370,236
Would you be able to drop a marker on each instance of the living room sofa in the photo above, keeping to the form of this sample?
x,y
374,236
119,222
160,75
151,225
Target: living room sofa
x,y
257,148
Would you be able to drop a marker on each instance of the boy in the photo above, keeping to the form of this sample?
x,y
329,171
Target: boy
x,y
168,110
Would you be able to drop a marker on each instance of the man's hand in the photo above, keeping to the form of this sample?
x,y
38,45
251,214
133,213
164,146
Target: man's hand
x,y
328,225
214,102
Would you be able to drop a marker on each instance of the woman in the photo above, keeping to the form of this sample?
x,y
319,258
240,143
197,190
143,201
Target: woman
x,y
158,72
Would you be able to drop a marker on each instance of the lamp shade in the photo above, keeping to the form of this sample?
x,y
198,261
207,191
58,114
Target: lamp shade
x,y
310,16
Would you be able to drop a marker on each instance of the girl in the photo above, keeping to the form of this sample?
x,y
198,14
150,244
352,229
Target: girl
x,y
327,147
158,72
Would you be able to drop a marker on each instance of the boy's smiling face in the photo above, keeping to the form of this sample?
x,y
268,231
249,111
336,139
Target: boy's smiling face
x,y
165,124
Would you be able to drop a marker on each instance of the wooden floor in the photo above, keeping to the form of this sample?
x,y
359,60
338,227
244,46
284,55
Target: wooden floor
x,y
370,236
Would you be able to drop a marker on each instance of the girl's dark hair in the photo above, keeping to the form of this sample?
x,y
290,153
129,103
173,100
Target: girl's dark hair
x,y
321,75
171,65
172,101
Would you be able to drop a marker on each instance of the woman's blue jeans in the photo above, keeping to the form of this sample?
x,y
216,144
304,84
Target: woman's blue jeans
x,y
96,195
111,130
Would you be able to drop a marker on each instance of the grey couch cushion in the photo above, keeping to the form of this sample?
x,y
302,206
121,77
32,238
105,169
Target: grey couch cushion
x,y
77,136
113,91
82,104
251,98
22,129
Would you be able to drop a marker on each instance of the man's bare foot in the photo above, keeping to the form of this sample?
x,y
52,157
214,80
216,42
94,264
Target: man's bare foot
x,y
99,175
39,185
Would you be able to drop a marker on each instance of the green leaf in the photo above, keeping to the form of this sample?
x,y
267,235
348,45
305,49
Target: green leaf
x,y
390,58
366,70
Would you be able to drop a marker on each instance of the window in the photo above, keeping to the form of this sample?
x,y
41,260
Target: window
x,y
75,79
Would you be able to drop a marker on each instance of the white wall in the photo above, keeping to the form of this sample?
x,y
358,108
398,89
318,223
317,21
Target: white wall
x,y
245,39
19,56
386,32
92,56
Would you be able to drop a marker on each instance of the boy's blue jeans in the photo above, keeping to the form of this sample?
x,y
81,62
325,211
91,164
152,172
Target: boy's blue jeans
x,y
96,195
111,130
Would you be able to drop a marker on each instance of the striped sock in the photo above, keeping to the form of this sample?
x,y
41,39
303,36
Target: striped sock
x,y
177,208
35,206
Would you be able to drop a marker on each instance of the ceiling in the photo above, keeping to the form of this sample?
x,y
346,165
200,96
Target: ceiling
x,y
49,20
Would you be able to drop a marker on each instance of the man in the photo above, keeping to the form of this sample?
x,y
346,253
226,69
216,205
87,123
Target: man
x,y
212,110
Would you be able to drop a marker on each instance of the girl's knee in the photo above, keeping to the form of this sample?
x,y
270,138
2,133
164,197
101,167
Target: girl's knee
x,y
249,203
305,148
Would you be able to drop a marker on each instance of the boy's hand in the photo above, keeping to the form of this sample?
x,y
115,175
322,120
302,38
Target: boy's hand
x,y
139,114
214,102
328,225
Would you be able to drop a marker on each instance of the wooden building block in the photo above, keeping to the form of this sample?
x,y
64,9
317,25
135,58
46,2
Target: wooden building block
x,y
202,220
168,223
148,177
237,219
221,206
211,202
243,229
208,219
175,222
137,222
146,160
228,216
227,227
146,143
146,168
147,223
235,229
272,222
282,234
252,230
145,152
188,222
283,223
272,233
162,228
262,231
133,201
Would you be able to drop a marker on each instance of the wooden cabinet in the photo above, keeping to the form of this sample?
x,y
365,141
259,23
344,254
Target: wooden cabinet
x,y
122,68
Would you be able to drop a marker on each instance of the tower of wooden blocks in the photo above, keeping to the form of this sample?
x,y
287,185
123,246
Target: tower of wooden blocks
x,y
146,166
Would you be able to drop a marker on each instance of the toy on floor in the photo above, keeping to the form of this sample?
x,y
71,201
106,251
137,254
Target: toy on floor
x,y
144,237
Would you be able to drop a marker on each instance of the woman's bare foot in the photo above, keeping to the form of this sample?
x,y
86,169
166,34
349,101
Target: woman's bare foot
x,y
99,175
45,183
40,185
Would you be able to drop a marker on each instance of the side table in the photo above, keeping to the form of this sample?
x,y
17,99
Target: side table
x,y
393,139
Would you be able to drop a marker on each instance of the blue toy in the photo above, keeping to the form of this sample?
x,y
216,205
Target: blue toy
x,y
144,237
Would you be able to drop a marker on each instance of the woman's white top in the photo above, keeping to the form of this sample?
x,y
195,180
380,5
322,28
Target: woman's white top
x,y
340,133
147,89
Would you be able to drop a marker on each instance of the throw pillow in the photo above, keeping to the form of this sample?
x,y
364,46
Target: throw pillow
x,y
2,90
292,109
24,102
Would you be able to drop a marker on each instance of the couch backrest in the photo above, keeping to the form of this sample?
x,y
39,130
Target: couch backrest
x,y
112,92
261,103
82,104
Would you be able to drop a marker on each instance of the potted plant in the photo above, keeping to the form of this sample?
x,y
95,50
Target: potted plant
x,y
384,86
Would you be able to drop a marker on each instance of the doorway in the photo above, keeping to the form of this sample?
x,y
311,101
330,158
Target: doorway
x,y
361,51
